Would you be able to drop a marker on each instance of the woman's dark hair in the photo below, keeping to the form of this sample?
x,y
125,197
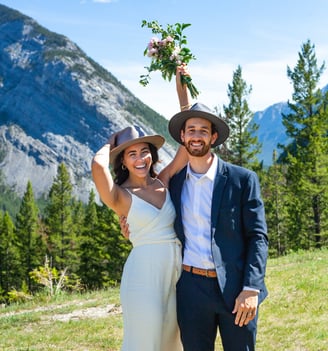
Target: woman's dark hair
x,y
121,175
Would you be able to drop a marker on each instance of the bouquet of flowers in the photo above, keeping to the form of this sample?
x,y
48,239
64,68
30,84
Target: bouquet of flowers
x,y
168,52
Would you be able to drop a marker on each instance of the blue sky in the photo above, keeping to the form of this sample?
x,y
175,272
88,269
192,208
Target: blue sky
x,y
263,37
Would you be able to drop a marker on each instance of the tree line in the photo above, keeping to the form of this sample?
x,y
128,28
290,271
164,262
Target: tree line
x,y
84,240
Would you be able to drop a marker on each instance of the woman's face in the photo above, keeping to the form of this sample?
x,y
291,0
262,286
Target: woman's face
x,y
137,159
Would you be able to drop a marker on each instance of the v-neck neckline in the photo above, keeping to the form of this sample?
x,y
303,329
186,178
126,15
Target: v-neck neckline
x,y
140,198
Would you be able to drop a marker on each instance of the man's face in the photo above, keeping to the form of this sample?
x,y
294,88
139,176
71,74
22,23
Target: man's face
x,y
197,136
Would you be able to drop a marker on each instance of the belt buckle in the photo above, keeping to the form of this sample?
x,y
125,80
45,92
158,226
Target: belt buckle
x,y
207,276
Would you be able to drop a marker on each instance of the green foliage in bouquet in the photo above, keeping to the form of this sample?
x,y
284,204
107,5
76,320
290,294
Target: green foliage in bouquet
x,y
168,52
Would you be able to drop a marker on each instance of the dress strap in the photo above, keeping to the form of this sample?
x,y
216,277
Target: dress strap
x,y
130,192
160,182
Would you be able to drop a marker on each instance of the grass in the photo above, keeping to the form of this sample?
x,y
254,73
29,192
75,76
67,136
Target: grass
x,y
293,318
31,327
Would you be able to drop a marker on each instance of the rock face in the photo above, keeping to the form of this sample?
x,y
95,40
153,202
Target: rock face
x,y
57,105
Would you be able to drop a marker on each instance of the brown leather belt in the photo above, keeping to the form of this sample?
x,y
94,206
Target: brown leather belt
x,y
209,273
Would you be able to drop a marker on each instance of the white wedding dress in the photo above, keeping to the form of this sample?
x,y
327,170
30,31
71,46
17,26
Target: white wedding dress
x,y
150,274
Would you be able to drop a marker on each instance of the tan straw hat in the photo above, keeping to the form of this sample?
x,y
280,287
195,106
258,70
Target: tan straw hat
x,y
130,136
199,110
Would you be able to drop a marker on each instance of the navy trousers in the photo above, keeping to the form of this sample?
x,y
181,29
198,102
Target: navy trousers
x,y
202,312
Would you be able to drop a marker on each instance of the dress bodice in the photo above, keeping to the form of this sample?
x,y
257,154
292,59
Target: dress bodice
x,y
148,224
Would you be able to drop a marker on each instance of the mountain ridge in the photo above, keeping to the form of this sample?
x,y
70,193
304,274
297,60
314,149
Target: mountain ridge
x,y
58,105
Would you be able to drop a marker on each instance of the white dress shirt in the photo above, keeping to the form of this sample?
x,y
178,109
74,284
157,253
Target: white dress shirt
x,y
196,216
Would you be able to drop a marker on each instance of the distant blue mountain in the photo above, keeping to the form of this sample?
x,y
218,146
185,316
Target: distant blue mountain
x,y
271,131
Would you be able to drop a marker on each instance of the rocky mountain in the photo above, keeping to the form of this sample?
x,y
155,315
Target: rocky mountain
x,y
58,105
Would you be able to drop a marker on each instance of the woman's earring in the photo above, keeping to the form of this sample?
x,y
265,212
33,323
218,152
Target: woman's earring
x,y
123,167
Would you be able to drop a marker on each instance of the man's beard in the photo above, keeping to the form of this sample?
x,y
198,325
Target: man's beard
x,y
197,152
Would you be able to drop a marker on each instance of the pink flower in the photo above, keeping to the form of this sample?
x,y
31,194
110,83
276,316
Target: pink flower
x,y
153,42
175,53
152,52
166,41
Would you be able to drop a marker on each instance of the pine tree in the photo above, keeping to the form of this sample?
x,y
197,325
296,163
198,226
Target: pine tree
x,y
103,248
273,186
62,243
116,247
243,145
31,246
9,256
91,248
306,155
78,216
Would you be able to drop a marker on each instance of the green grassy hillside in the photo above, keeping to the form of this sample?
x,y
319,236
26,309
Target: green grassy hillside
x,y
293,318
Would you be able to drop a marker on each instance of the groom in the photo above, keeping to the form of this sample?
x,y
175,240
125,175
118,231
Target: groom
x,y
221,224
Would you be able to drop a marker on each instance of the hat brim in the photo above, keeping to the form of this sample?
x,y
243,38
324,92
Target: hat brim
x,y
156,140
177,121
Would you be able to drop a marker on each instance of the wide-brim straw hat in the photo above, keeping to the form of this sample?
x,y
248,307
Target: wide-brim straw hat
x,y
198,110
130,136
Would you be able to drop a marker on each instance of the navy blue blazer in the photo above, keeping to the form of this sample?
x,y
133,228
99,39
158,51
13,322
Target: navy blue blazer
x,y
239,231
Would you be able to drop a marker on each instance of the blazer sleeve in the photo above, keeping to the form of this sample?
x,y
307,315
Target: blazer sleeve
x,y
255,233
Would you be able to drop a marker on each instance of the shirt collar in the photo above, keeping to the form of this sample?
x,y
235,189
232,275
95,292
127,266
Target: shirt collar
x,y
211,172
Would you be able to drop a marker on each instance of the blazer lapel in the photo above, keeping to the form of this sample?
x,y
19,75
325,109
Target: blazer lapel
x,y
176,185
219,184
